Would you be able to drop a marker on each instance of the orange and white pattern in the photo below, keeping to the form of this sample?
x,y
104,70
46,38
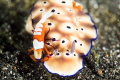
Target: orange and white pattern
x,y
62,35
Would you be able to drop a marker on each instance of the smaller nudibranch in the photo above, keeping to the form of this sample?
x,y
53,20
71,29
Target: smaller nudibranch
x,y
62,35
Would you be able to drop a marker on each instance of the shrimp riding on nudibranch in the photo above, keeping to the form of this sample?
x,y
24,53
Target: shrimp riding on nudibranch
x,y
62,35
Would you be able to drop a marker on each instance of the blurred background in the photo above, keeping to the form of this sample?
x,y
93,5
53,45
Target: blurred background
x,y
103,62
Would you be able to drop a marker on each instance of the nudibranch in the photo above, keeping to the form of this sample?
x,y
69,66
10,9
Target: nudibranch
x,y
62,35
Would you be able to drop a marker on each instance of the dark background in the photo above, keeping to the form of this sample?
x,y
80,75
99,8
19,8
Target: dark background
x,y
103,62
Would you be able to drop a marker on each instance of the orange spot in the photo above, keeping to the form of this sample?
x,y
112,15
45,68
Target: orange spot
x,y
39,50
41,36
78,8
38,37
74,4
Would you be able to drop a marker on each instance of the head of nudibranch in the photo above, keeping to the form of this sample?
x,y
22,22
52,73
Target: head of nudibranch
x,y
68,34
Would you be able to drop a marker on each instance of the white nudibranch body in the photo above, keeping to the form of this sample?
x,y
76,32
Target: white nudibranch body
x,y
63,33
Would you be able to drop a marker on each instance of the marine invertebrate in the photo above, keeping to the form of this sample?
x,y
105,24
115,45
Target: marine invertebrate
x,y
62,34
